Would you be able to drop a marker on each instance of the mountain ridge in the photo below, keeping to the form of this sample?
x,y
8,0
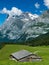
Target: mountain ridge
x,y
21,28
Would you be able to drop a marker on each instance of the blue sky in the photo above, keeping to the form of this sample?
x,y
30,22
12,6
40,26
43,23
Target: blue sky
x,y
33,6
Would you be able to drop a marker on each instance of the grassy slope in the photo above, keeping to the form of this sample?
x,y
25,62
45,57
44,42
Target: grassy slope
x,y
42,51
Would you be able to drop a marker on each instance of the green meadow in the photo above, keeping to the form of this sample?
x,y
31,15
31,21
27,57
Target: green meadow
x,y
42,51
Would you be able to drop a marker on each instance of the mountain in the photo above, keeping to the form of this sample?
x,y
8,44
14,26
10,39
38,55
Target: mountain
x,y
24,27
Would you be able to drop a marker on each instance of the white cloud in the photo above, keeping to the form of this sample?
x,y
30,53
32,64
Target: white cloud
x,y
37,5
11,12
46,3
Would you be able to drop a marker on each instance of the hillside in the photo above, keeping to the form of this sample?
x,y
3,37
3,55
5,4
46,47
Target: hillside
x,y
41,40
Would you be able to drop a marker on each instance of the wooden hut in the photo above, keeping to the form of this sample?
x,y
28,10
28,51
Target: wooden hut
x,y
25,56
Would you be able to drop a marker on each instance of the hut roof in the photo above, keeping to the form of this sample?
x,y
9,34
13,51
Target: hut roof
x,y
21,54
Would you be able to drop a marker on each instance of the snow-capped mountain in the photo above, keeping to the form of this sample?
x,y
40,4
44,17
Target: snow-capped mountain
x,y
25,26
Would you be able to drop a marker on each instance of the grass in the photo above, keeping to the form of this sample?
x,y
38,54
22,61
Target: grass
x,y
42,51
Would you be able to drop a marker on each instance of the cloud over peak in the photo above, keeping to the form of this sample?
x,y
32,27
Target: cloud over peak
x,y
16,11
11,12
